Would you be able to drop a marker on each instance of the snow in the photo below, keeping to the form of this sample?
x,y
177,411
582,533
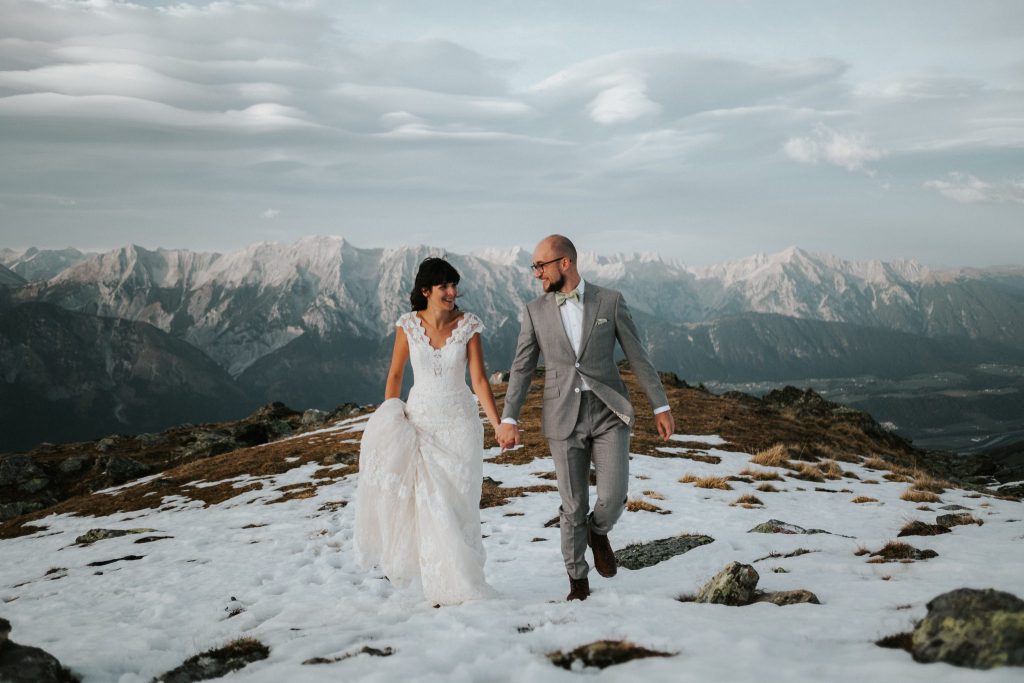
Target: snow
x,y
304,595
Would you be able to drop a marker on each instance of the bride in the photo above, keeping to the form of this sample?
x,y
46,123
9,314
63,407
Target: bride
x,y
420,462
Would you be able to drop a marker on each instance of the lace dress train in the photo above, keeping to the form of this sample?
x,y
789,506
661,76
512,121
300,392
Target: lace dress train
x,y
420,472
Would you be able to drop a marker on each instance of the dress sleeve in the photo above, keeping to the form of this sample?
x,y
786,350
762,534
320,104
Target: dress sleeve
x,y
472,325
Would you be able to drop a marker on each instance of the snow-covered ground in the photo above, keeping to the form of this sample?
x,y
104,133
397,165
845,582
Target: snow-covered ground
x,y
304,595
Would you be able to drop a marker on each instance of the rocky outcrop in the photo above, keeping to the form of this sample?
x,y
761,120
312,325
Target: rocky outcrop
x,y
25,664
775,526
641,555
736,585
980,629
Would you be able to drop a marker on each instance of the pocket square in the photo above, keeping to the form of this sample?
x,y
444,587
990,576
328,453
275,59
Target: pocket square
x,y
602,321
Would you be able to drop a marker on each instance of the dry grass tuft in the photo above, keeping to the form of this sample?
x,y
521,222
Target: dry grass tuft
x,y
915,496
767,488
869,481
918,528
808,472
876,463
894,476
654,494
706,482
760,475
831,469
864,499
747,500
924,482
775,456
637,505
861,550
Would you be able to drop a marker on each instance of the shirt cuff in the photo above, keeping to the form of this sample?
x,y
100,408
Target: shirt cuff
x,y
662,409
509,421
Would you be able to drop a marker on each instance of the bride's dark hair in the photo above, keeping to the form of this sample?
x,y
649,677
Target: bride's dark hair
x,y
433,271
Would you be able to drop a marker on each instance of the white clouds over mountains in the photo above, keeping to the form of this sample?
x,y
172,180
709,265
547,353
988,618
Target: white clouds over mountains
x,y
161,116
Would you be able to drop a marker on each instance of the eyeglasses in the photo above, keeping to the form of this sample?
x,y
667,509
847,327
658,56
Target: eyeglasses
x,y
537,267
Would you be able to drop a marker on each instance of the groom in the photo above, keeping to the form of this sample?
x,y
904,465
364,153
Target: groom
x,y
587,415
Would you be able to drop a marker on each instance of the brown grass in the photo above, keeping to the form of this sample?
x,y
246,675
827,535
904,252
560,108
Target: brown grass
x,y
861,550
831,469
918,528
923,482
808,472
767,488
706,482
915,496
895,476
775,456
864,499
747,500
761,475
637,505
493,495
869,481
876,463
654,494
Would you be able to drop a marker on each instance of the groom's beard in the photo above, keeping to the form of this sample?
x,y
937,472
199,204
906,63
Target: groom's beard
x,y
555,285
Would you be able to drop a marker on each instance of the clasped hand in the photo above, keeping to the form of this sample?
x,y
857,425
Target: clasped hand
x,y
507,435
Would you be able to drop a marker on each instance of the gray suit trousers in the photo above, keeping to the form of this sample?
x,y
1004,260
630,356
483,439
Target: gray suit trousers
x,y
602,437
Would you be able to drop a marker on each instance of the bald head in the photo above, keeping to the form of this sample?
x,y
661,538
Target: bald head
x,y
560,245
558,254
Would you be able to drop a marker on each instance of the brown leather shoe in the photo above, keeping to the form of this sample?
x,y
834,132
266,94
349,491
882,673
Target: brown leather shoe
x,y
579,589
604,557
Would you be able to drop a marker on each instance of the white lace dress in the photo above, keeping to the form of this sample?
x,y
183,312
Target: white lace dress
x,y
420,471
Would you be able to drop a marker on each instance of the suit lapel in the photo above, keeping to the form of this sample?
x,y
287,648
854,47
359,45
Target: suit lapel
x,y
591,305
555,320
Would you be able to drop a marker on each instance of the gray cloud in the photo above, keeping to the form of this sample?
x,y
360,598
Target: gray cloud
x,y
152,120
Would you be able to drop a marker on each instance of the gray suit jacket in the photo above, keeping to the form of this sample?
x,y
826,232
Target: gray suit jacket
x,y
605,320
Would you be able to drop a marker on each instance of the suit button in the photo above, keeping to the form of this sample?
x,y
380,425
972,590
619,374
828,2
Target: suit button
x,y
577,390
577,365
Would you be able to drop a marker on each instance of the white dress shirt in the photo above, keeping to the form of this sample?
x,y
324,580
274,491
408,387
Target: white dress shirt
x,y
572,320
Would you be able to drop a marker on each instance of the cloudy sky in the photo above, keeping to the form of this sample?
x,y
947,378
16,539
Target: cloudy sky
x,y
703,131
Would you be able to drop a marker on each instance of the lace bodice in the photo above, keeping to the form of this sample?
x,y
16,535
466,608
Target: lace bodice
x,y
439,370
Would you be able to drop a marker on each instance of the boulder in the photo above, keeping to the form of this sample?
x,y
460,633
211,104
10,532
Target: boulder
x,y
979,629
18,508
952,520
313,418
24,664
93,535
783,598
641,555
734,585
75,463
775,526
118,469
16,470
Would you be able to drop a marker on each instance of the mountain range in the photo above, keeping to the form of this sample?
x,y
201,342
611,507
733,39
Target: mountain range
x,y
310,323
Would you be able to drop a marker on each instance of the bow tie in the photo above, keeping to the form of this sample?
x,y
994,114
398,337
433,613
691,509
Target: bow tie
x,y
562,297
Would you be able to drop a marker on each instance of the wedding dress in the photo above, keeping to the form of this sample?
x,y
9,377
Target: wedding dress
x,y
420,471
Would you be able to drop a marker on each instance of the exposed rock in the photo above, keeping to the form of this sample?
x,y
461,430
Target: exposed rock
x,y
794,597
217,662
118,469
75,463
341,458
210,442
271,411
93,535
18,508
775,526
15,470
603,653
897,550
498,377
641,555
957,520
108,442
343,411
980,629
24,664
734,585
313,417
34,485
954,507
